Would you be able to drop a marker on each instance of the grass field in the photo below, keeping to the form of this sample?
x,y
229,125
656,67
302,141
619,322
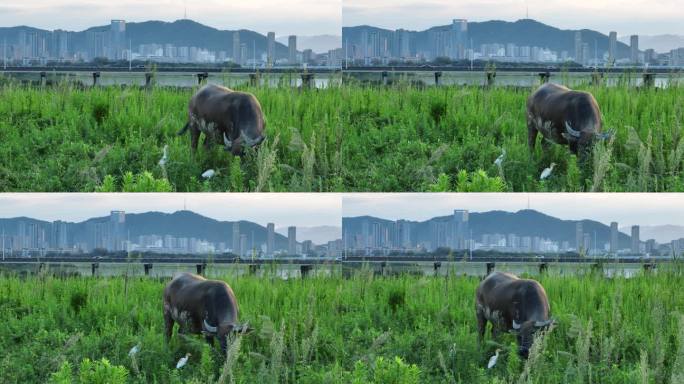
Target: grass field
x,y
344,138
406,138
111,139
403,329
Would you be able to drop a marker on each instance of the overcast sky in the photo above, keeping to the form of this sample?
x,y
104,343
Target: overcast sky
x,y
644,17
627,209
284,17
283,209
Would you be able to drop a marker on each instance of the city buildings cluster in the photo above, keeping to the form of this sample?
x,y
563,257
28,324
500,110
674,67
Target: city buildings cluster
x,y
115,44
111,234
374,46
373,236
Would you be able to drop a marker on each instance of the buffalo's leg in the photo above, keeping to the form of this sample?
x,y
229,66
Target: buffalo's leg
x,y
208,142
194,138
223,342
209,339
168,325
481,325
531,135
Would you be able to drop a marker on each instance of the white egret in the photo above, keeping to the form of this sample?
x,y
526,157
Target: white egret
x,y
182,361
499,160
493,359
134,350
208,174
547,172
165,157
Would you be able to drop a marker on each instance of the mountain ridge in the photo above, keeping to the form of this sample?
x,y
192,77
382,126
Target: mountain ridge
x,y
521,223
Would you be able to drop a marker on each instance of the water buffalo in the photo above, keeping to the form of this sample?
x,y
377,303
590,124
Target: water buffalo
x,y
514,304
225,116
564,116
201,306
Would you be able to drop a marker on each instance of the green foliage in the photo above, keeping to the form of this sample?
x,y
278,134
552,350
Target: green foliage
x,y
341,330
144,182
404,138
349,138
64,375
65,139
386,371
101,372
479,182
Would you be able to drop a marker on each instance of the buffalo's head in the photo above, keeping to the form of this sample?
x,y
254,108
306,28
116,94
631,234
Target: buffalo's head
x,y
244,140
223,331
250,133
585,138
525,332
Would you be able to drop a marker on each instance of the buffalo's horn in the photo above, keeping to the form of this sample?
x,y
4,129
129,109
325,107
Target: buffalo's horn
x,y
571,131
208,327
516,326
227,142
246,140
540,324
605,135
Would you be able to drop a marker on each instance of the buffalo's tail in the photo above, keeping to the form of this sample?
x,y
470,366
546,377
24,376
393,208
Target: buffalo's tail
x,y
185,129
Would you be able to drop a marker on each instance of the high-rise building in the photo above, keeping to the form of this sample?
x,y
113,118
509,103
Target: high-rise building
x,y
270,54
587,242
612,47
117,39
439,231
237,48
270,239
307,247
58,236
292,240
635,240
650,56
96,42
634,48
292,49
307,55
403,234
613,237
578,48
243,246
579,237
117,231
236,238
459,39
402,43
460,229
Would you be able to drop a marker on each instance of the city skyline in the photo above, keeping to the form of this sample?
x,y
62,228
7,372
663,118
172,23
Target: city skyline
x,y
314,17
301,209
663,209
637,17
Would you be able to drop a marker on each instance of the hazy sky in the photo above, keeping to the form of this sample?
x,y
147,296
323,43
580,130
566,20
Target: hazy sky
x,y
626,209
284,17
645,17
283,209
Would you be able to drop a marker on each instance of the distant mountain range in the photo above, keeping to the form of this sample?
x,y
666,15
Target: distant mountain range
x,y
526,32
178,224
659,43
521,223
318,43
180,33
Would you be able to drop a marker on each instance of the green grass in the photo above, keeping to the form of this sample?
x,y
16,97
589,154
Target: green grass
x,y
405,138
111,139
345,138
404,329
